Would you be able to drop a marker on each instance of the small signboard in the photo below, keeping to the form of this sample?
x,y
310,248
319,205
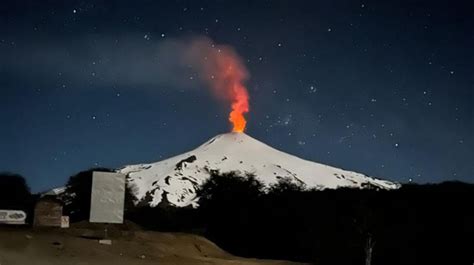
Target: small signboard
x,y
12,217
107,198
64,221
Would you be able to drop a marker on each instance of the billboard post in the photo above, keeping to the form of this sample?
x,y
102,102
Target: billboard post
x,y
107,199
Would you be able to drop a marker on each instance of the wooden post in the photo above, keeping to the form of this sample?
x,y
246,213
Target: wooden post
x,y
369,248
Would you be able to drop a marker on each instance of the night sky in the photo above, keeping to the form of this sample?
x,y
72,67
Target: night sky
x,y
383,88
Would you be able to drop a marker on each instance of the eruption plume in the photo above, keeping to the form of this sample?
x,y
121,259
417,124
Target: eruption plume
x,y
222,69
175,63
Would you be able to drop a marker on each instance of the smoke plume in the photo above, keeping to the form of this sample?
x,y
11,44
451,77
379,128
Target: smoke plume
x,y
133,61
222,70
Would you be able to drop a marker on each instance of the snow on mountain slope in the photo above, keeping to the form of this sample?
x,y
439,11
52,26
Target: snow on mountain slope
x,y
176,179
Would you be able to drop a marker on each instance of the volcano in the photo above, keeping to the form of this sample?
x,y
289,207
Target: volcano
x,y
176,180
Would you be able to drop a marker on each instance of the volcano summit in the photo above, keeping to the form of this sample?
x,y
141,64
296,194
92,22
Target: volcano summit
x,y
176,179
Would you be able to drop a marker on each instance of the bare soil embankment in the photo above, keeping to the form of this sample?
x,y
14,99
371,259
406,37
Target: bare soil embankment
x,y
79,246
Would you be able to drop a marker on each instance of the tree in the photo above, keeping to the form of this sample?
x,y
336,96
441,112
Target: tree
x,y
286,185
228,205
225,187
14,192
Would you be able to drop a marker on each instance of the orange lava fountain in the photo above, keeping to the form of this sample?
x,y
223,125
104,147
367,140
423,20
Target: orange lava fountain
x,y
240,105
222,68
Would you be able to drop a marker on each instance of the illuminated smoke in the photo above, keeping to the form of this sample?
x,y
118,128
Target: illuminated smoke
x,y
222,70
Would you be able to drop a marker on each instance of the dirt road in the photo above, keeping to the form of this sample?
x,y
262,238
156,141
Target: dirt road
x,y
77,247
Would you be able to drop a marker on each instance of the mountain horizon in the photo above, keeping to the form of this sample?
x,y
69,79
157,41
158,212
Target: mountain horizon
x,y
177,178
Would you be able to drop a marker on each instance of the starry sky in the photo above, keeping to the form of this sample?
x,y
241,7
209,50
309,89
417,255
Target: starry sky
x,y
379,87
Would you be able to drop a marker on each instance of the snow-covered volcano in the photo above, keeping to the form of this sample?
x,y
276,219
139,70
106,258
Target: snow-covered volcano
x,y
176,179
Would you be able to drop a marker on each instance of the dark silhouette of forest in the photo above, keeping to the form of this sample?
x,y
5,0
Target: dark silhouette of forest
x,y
416,224
14,192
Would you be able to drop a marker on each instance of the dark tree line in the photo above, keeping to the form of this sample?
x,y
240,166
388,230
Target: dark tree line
x,y
417,224
14,192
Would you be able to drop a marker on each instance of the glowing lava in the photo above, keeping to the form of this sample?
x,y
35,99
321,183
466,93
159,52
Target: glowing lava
x,y
240,105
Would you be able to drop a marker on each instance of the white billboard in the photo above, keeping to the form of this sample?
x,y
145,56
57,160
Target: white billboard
x,y
107,198
12,217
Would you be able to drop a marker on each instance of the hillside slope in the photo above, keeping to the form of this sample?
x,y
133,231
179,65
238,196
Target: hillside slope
x,y
176,179
68,247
